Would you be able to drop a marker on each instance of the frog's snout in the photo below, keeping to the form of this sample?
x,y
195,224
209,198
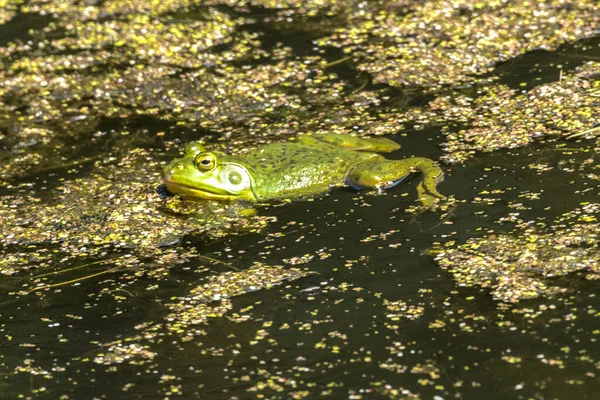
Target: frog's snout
x,y
170,170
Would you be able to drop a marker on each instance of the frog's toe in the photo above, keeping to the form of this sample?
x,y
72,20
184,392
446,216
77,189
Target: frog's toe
x,y
430,201
429,195
395,183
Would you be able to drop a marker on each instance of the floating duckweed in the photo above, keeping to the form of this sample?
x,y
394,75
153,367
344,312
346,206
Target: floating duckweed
x,y
520,266
189,315
213,298
86,239
141,38
450,43
74,9
400,309
502,118
8,9
116,208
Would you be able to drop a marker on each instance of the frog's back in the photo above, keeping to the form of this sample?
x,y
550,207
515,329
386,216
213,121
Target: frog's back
x,y
295,169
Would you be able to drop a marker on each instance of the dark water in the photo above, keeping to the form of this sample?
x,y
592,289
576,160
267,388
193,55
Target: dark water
x,y
225,363
330,334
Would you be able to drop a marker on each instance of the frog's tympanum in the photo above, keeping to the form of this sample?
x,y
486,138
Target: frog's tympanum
x,y
308,165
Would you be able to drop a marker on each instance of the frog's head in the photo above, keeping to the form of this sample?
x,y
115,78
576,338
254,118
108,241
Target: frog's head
x,y
208,175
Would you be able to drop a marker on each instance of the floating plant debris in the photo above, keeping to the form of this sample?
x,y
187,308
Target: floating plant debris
x,y
521,265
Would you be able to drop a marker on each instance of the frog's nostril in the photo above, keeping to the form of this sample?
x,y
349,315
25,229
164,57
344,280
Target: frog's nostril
x,y
170,170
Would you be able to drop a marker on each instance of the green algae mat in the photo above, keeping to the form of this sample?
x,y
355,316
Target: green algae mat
x,y
112,289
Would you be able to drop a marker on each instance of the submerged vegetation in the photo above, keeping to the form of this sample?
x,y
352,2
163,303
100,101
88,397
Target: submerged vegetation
x,y
99,96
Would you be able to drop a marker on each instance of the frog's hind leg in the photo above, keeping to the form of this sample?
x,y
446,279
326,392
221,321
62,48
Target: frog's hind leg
x,y
374,144
358,184
427,188
385,174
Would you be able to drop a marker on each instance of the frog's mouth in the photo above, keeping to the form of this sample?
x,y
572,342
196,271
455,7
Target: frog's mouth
x,y
187,191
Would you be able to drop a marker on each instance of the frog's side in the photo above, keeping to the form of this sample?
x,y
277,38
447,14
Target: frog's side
x,y
307,166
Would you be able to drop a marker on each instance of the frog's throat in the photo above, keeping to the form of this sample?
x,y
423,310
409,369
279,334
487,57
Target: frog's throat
x,y
186,191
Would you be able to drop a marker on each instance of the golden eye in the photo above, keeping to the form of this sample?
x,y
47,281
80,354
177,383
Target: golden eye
x,y
205,161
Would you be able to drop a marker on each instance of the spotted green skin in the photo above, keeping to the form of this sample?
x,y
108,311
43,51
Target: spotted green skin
x,y
307,166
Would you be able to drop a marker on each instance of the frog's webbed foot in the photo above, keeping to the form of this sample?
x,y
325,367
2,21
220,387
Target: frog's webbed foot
x,y
429,202
428,194
444,208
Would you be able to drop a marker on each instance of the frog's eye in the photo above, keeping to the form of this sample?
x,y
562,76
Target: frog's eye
x,y
206,161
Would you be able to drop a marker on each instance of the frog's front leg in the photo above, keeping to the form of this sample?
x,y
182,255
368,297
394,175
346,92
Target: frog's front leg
x,y
384,174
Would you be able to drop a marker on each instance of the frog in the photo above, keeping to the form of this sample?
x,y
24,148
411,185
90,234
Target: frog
x,y
304,166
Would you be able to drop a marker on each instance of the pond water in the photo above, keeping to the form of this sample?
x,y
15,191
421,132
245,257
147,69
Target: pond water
x,y
112,292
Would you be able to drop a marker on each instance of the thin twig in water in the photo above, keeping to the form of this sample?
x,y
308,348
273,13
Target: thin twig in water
x,y
74,280
336,62
123,290
218,262
74,268
579,134
458,395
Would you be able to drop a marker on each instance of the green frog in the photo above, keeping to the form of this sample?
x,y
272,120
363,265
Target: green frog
x,y
307,165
